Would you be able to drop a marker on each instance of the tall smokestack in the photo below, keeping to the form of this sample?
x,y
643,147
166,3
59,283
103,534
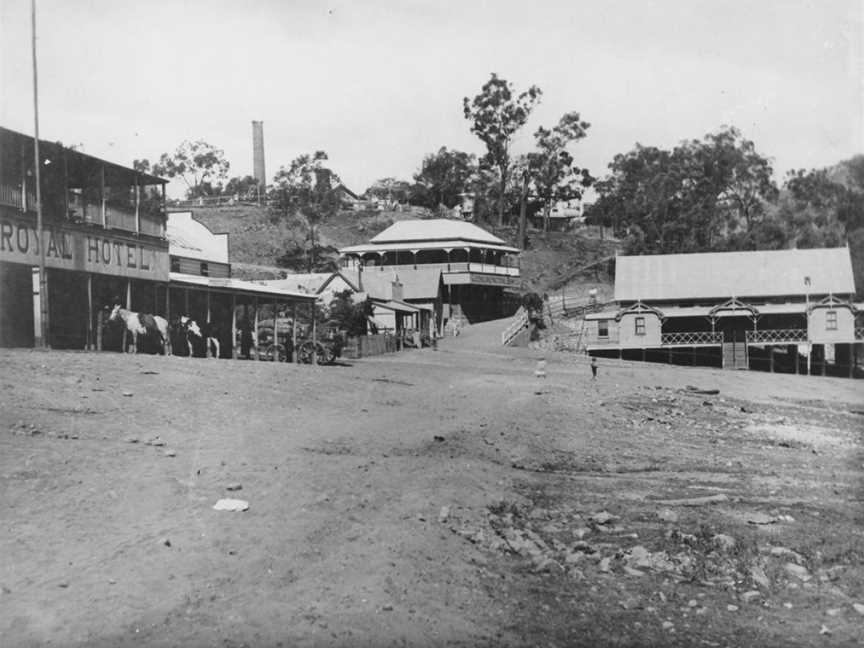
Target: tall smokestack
x,y
258,157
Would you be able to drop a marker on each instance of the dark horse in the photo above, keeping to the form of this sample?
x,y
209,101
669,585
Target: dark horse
x,y
208,332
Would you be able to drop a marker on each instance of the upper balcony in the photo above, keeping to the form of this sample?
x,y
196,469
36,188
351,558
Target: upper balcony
x,y
479,268
78,188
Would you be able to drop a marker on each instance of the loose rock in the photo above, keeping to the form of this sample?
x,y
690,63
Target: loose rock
x,y
443,514
667,515
724,542
697,501
231,505
603,517
797,570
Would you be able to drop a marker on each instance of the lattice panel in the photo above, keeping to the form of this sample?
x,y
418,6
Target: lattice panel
x,y
687,338
772,336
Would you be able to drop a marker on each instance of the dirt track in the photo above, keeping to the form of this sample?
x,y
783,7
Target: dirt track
x,y
347,468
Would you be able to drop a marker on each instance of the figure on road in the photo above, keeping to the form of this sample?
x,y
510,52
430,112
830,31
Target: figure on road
x,y
594,368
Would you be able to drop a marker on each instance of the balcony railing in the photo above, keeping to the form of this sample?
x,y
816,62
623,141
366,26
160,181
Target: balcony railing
x,y
690,338
11,197
480,268
777,336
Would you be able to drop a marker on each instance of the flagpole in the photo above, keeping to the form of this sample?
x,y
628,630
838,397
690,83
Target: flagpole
x,y
43,280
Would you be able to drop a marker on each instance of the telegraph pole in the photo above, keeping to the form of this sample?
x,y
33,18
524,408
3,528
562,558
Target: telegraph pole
x,y
40,237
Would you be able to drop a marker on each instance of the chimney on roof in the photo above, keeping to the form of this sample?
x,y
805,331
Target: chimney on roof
x,y
396,290
322,180
258,157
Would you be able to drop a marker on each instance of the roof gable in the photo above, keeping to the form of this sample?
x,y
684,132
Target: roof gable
x,y
718,275
190,238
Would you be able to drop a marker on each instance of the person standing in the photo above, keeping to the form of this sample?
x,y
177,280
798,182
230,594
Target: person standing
x,y
594,368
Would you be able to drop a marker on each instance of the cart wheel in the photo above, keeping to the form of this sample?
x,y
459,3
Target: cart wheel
x,y
323,354
305,352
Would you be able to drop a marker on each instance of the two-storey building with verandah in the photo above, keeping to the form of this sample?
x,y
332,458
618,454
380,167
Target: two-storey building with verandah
x,y
478,269
778,310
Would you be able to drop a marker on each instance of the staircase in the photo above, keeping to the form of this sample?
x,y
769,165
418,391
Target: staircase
x,y
735,355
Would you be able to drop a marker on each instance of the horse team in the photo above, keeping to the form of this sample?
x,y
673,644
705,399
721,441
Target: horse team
x,y
157,328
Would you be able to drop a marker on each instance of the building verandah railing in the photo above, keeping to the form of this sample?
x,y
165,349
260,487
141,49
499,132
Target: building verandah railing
x,y
691,338
777,336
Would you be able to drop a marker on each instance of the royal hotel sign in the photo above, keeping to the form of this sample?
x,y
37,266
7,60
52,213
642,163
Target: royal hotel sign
x,y
83,250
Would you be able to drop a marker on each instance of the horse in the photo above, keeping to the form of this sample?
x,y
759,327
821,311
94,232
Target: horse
x,y
206,331
142,324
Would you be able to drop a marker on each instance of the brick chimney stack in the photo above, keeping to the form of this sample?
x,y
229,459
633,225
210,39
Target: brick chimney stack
x,y
258,157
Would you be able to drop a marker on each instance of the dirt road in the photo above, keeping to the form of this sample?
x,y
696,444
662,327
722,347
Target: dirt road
x,y
426,498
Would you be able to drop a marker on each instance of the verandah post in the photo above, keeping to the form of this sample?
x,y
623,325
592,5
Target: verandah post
x,y
128,307
89,345
233,326
255,335
294,354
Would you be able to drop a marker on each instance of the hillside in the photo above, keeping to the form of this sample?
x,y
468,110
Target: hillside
x,y
255,242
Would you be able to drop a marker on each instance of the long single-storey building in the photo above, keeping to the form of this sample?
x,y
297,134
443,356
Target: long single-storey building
x,y
779,310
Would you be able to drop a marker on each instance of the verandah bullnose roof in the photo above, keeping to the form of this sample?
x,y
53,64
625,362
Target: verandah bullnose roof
x,y
717,275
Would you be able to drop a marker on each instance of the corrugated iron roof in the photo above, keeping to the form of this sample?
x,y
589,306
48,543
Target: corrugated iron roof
x,y
236,285
435,229
424,245
717,275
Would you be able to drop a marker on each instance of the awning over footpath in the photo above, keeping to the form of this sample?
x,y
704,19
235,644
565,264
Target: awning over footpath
x,y
237,286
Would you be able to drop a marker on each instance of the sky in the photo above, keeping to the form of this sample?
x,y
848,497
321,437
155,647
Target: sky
x,y
378,84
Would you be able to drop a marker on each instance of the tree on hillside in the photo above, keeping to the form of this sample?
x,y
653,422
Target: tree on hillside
x,y
495,115
442,177
243,186
201,166
391,190
303,190
551,168
698,196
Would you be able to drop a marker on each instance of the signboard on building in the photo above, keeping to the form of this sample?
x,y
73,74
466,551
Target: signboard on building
x,y
462,278
83,250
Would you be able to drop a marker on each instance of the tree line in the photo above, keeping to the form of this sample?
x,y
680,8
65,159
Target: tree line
x,y
710,194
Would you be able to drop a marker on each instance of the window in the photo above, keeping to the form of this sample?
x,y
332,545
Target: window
x,y
205,269
603,328
175,264
640,326
831,320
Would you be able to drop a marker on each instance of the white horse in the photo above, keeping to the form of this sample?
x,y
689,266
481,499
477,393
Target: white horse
x,y
142,324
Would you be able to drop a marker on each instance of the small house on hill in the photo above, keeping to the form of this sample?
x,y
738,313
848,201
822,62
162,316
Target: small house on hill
x,y
783,310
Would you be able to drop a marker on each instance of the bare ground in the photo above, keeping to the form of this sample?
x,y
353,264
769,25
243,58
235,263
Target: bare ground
x,y
429,498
